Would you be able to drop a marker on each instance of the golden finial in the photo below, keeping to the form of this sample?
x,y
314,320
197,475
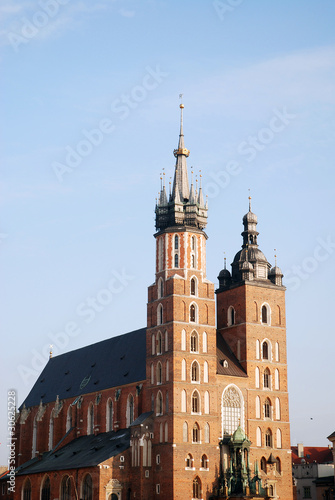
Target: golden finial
x,y
50,354
275,257
181,99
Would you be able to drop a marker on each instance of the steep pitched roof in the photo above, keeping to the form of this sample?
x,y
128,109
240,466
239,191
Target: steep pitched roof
x,y
109,363
320,455
224,353
85,451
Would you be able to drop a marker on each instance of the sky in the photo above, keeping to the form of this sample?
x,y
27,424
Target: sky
x,y
90,117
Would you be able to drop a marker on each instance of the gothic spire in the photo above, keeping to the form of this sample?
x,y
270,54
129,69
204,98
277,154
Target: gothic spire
x,y
181,166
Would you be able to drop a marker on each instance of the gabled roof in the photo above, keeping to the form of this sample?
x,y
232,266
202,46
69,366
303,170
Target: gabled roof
x,y
85,451
224,353
109,363
320,455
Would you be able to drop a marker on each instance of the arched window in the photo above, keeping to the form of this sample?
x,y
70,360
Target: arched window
x,y
159,403
192,313
193,243
263,464
166,432
87,488
167,402
193,286
277,351
196,433
109,415
65,488
34,441
194,342
26,490
257,377
183,400
257,349
205,372
69,418
145,452
159,314
193,261
159,372
265,314
265,350
152,373
204,342
271,490
153,342
278,464
189,461
195,402
159,343
258,407
160,434
45,492
197,488
176,242
183,369
183,340
176,260
207,432
149,453
268,438
185,432
277,405
204,462
206,402
152,402
51,431
167,374
160,288
267,379
130,410
90,419
258,437
256,311
231,410
195,372
279,315
166,341
276,379
279,443
267,408
231,316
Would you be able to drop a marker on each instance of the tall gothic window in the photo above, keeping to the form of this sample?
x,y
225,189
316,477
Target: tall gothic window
x,y
90,419
195,372
196,433
266,378
176,260
34,438
231,316
87,488
51,432
159,404
26,493
185,432
130,410
195,402
265,350
176,242
231,410
45,494
65,488
193,286
197,488
189,461
192,313
159,373
267,409
159,343
268,438
204,462
109,415
264,314
69,418
194,342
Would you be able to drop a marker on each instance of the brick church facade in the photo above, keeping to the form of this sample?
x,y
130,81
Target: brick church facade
x,y
194,406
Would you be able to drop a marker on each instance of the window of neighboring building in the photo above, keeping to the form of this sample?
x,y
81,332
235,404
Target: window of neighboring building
x,y
87,488
307,492
45,493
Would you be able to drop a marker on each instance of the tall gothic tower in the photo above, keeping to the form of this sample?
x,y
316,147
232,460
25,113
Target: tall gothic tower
x,y
181,336
251,319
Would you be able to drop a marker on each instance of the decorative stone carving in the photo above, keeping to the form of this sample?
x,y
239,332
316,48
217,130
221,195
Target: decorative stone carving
x,y
40,412
58,407
24,414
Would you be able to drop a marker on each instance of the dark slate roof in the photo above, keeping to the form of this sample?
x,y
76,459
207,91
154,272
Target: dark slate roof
x,y
109,363
85,451
223,352
142,418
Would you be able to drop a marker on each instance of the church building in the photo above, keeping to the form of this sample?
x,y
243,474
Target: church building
x,y
194,405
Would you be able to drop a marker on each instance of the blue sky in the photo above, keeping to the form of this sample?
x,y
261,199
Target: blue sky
x,y
259,94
